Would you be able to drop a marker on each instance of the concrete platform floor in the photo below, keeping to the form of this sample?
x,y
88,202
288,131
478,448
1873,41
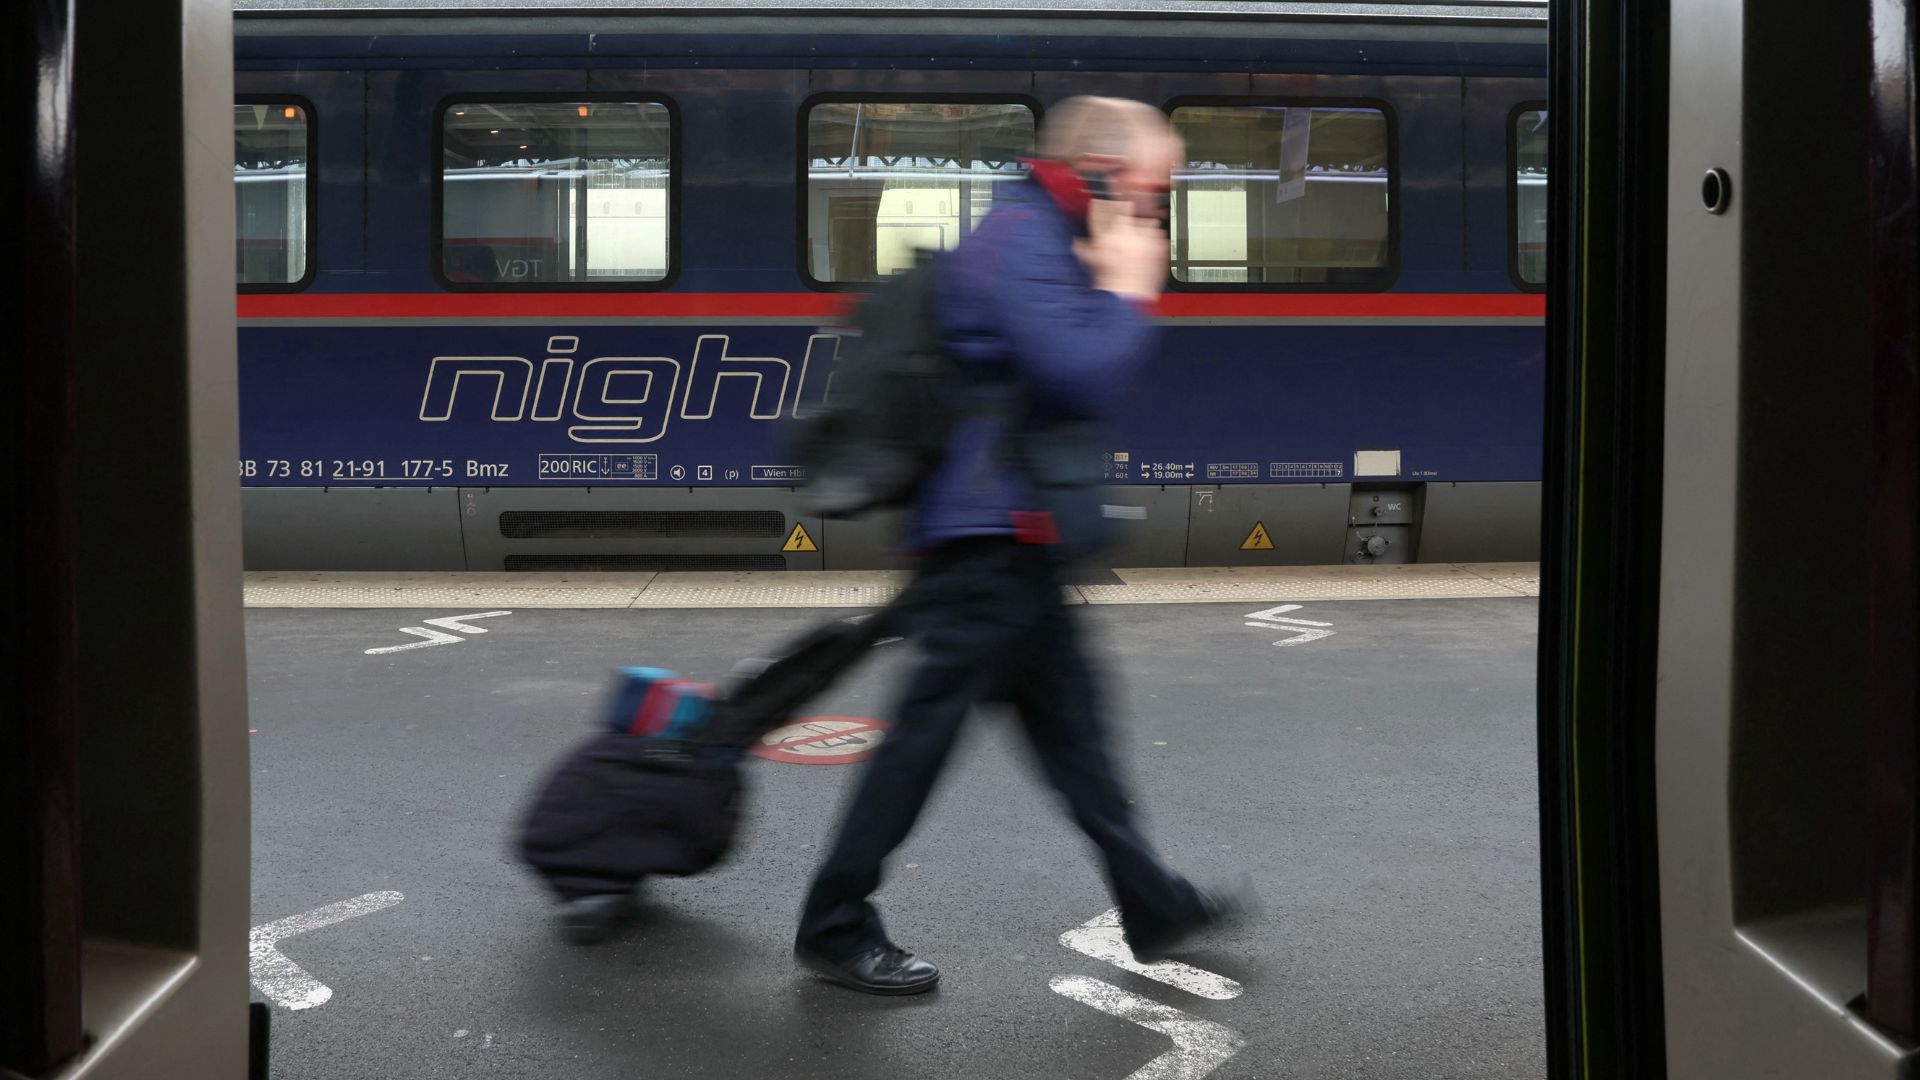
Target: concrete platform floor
x,y
1377,784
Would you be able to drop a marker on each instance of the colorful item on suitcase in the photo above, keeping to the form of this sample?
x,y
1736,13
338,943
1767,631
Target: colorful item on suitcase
x,y
656,703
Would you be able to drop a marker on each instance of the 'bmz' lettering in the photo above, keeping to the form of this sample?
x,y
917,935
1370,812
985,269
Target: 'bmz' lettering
x,y
625,399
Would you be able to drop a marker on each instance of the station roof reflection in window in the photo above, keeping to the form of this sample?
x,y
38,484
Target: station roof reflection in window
x,y
1274,195
1529,147
886,180
555,194
272,148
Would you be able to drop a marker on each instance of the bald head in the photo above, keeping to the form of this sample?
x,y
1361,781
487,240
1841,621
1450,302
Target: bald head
x,y
1129,143
1101,126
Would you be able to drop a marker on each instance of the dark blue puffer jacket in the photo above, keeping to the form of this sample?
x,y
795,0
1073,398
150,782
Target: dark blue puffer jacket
x,y
1014,302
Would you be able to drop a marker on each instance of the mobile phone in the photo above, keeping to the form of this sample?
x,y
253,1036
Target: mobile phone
x,y
1098,186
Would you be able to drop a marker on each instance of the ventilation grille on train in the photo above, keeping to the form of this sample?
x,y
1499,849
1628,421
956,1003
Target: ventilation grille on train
x,y
640,524
655,563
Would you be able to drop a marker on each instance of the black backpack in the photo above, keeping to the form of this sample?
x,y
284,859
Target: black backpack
x,y
896,393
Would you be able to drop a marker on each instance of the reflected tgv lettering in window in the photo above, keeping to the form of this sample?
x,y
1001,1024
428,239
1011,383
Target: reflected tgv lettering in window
x,y
555,193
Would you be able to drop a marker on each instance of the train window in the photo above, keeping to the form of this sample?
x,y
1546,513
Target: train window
x,y
886,179
1530,196
555,194
271,150
1282,194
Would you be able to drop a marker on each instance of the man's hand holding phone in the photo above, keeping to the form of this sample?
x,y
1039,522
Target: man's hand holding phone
x,y
1124,253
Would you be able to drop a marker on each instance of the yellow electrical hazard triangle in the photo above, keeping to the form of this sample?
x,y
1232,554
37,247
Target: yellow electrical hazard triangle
x,y
798,540
1257,540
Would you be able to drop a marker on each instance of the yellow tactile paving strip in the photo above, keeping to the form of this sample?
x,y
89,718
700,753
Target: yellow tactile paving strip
x,y
1232,584
763,589
356,589
871,588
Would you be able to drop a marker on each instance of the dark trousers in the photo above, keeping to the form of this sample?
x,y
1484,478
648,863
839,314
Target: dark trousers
x,y
992,628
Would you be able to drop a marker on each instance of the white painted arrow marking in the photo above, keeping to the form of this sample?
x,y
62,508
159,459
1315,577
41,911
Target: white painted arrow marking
x,y
1305,635
1272,616
1101,938
1304,629
434,637
459,622
1199,1046
439,637
286,983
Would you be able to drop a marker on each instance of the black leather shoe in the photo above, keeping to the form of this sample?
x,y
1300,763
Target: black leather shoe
x,y
1218,908
588,920
881,970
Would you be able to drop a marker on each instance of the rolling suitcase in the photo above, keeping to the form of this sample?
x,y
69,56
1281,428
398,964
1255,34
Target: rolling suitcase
x,y
657,789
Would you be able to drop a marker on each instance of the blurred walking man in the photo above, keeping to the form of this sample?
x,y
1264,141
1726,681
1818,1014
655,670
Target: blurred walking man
x,y
1050,301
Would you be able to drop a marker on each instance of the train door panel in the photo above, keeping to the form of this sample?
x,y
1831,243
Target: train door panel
x,y
735,166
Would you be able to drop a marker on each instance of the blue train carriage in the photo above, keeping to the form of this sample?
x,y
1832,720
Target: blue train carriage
x,y
536,292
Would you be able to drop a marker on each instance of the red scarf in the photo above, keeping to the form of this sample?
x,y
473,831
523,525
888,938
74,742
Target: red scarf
x,y
1065,185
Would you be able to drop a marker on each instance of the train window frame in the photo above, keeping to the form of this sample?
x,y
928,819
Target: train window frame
x,y
312,237
437,213
1513,195
1388,272
802,264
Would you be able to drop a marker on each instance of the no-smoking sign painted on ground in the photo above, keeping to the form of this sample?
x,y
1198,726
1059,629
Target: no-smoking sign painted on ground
x,y
823,740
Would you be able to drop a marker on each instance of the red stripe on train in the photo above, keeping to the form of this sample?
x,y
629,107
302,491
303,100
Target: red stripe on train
x,y
553,305
811,305
1354,305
